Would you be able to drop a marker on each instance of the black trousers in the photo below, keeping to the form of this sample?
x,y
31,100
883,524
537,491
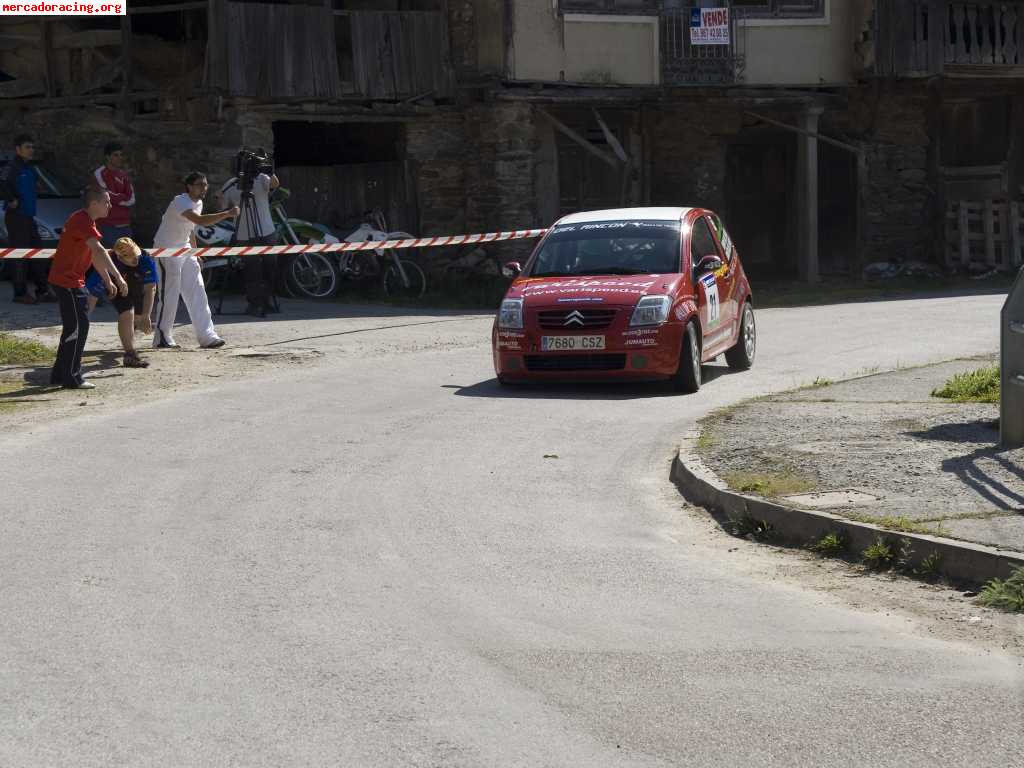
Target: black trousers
x,y
260,273
22,233
67,371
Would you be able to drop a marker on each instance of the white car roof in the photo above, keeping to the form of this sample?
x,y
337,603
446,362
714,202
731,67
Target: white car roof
x,y
612,214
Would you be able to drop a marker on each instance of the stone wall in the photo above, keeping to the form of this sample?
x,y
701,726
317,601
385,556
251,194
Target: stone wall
x,y
688,147
159,153
892,120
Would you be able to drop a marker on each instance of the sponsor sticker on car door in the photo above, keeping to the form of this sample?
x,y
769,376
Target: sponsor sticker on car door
x,y
710,286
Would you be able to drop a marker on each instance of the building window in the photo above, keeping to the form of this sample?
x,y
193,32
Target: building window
x,y
780,9
643,7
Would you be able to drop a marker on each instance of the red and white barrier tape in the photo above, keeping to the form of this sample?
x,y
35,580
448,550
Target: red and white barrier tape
x,y
260,250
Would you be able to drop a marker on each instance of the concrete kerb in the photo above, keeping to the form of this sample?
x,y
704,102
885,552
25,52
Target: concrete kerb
x,y
961,562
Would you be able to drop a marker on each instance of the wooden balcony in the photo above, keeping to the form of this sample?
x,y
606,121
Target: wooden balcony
x,y
685,64
918,38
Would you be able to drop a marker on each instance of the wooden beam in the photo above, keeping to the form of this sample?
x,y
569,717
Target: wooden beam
x,y
591,148
80,101
127,105
803,132
196,5
610,138
44,40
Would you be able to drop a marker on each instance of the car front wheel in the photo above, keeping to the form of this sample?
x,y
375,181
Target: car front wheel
x,y
687,378
741,356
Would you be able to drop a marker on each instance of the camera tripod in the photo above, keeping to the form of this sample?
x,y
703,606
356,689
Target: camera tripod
x,y
250,217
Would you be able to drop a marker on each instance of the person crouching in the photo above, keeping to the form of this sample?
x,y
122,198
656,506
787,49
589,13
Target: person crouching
x,y
134,311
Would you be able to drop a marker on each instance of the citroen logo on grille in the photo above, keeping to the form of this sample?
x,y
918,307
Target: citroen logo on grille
x,y
574,317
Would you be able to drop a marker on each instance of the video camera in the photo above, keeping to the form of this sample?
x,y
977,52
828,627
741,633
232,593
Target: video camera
x,y
251,163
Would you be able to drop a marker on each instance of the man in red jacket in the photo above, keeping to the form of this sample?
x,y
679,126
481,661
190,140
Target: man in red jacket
x,y
113,178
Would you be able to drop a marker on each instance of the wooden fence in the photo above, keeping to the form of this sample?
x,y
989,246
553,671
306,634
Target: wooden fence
x,y
984,234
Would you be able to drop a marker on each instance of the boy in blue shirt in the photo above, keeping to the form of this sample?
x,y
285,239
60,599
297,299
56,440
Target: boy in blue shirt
x,y
135,310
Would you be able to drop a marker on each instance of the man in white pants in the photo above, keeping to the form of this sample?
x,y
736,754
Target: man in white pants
x,y
181,276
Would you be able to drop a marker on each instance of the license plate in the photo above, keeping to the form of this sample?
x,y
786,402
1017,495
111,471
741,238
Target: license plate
x,y
570,343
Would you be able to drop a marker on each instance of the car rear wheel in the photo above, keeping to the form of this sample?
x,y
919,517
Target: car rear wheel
x,y
688,375
741,356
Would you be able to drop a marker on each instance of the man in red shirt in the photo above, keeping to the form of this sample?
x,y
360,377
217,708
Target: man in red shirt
x,y
78,249
113,178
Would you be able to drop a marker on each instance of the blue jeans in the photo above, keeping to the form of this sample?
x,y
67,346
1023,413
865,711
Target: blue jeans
x,y
109,234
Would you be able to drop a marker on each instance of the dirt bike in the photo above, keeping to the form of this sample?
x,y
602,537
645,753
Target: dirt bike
x,y
306,275
401,277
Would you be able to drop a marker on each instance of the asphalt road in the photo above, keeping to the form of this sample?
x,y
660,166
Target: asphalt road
x,y
372,563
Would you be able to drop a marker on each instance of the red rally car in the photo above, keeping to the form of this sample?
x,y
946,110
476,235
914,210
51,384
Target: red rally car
x,y
629,294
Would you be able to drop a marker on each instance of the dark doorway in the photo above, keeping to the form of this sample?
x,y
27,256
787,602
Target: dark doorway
x,y
336,171
760,202
837,209
585,182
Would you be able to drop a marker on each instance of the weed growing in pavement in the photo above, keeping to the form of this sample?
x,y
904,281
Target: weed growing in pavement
x,y
829,545
749,527
979,386
783,483
905,556
1005,594
878,556
15,351
929,567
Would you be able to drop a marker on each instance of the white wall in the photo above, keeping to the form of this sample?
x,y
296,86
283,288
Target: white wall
x,y
583,48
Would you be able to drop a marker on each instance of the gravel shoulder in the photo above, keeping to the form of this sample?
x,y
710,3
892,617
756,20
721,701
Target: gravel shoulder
x,y
880,449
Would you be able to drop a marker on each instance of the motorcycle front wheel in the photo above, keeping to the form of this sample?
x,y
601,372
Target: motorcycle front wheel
x,y
412,287
311,276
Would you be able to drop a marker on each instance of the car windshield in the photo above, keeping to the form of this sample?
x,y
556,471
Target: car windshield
x,y
609,248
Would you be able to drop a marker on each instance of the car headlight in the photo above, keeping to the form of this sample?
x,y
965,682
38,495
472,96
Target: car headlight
x,y
511,314
45,233
651,310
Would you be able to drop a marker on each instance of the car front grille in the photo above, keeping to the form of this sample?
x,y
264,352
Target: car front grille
x,y
575,319
590,362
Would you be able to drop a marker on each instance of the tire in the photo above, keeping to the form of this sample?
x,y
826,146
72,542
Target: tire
x,y
311,276
688,375
741,356
395,287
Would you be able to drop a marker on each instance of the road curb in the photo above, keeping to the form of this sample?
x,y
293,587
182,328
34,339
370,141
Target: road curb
x,y
961,562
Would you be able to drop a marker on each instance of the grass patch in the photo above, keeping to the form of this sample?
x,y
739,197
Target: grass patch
x,y
829,545
880,555
898,524
705,441
818,383
980,386
749,527
15,351
784,483
1005,594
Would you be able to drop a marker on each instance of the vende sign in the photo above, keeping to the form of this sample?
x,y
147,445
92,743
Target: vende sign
x,y
709,26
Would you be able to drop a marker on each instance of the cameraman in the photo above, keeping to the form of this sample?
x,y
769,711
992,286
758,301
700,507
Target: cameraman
x,y
260,271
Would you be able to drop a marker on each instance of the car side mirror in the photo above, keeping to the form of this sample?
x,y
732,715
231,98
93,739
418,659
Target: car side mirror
x,y
512,269
709,263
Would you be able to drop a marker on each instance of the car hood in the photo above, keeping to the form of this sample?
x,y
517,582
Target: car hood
x,y
609,290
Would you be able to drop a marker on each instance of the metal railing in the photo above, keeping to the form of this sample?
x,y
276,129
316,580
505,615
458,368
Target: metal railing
x,y
683,63
1011,364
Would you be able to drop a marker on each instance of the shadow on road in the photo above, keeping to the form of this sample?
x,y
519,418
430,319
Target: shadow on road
x,y
597,390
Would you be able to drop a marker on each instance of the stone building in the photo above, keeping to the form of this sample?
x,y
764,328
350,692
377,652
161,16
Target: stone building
x,y
476,115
